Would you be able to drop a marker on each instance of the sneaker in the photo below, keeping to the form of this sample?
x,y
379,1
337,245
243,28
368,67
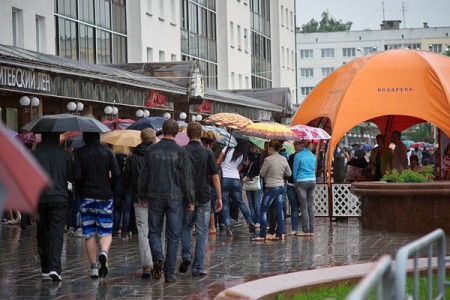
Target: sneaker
x,y
46,276
157,268
252,228
94,273
103,260
184,266
199,273
229,232
71,231
55,276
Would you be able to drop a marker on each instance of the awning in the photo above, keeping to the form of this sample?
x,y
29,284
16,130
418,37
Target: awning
x,y
277,96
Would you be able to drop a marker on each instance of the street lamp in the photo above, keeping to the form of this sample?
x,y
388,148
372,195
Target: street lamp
x,y
75,107
166,115
146,113
26,102
108,110
139,113
183,116
199,118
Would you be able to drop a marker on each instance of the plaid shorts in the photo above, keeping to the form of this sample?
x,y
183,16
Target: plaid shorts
x,y
96,217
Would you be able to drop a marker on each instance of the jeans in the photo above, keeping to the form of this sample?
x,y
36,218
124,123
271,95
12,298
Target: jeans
x,y
199,217
74,213
292,196
141,212
122,210
305,193
172,210
50,234
232,191
254,203
271,194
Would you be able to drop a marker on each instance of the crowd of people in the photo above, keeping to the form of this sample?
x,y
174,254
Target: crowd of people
x,y
174,191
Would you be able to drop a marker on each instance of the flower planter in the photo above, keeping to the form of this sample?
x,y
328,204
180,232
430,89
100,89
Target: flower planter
x,y
404,207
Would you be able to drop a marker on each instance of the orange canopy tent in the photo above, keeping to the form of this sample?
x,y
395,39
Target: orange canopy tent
x,y
394,89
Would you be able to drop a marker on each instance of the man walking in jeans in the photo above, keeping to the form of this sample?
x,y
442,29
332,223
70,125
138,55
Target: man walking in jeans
x,y
165,181
204,172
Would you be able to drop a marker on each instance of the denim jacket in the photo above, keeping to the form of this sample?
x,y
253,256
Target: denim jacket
x,y
167,173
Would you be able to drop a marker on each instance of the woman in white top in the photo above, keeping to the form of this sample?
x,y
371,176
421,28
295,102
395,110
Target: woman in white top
x,y
231,161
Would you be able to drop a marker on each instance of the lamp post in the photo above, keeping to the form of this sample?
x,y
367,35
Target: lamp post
x,y
75,108
146,113
183,116
139,113
166,115
198,118
108,110
29,104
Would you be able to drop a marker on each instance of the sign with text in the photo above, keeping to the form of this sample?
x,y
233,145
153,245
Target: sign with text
x,y
26,79
206,107
156,99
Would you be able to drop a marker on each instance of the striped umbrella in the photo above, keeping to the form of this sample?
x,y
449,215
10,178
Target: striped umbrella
x,y
230,120
269,131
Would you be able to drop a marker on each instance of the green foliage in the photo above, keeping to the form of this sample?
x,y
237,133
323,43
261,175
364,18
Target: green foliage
x,y
409,175
420,132
326,24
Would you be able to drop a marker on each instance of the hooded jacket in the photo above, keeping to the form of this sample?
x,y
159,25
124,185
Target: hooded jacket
x,y
133,168
95,169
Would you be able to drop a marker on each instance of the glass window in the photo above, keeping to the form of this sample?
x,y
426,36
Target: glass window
x,y
348,52
119,49
231,33
119,18
86,11
327,53
103,47
307,72
370,50
306,54
282,16
305,90
327,71
14,27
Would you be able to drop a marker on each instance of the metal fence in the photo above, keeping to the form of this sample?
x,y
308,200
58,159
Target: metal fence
x,y
390,282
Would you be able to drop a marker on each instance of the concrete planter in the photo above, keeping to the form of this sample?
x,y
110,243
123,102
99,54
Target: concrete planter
x,y
404,207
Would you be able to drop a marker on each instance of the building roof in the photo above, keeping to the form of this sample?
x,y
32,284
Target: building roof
x,y
30,59
279,96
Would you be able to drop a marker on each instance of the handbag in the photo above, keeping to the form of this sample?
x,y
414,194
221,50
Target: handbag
x,y
253,184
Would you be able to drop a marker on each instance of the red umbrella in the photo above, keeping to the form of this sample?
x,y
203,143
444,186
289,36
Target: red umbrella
x,y
29,137
118,124
21,178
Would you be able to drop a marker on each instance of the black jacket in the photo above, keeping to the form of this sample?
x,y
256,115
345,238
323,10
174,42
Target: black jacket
x,y
167,173
93,165
255,165
204,167
58,164
133,168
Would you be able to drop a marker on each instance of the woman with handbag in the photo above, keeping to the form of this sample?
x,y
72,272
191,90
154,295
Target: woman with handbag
x,y
231,160
274,169
252,181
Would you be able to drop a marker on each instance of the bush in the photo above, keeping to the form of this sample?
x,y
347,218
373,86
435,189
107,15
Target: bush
x,y
408,175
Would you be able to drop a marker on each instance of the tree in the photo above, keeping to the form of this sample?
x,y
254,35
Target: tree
x,y
326,24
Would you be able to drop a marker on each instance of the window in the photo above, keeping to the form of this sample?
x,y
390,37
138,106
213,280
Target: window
x,y
17,27
288,62
247,83
149,54
306,54
162,56
240,81
305,90
436,48
282,16
86,43
348,52
232,33
232,80
292,21
282,57
239,41
293,59
173,57
14,27
369,50
327,53
327,71
307,72
245,40
287,19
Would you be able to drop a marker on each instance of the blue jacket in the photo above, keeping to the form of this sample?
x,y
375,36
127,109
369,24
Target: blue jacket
x,y
304,166
167,173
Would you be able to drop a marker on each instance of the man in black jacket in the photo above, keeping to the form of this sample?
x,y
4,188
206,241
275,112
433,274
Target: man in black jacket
x,y
53,204
131,172
205,172
96,172
165,181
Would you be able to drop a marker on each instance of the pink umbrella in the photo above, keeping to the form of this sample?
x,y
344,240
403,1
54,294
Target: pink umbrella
x,y
29,137
21,177
309,133
181,138
118,124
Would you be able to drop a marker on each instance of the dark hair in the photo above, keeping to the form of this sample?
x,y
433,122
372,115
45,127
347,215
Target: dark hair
x,y
276,145
170,127
194,130
240,149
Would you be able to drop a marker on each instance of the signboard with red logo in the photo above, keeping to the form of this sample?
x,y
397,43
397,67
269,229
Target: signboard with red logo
x,y
206,107
156,99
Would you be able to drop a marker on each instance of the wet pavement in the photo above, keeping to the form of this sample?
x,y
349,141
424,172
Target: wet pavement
x,y
229,261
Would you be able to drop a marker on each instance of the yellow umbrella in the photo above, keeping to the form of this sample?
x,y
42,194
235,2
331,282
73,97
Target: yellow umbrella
x,y
230,120
269,131
129,137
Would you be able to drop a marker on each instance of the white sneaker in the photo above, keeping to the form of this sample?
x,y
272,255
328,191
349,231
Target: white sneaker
x,y
79,233
94,273
46,276
55,276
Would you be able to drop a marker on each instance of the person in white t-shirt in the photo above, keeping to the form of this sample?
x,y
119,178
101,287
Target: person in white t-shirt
x,y
231,160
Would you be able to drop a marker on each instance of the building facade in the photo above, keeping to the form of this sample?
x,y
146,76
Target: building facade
x,y
319,54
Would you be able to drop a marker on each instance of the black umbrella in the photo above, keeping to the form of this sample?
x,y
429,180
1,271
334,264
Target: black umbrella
x,y
64,123
154,123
